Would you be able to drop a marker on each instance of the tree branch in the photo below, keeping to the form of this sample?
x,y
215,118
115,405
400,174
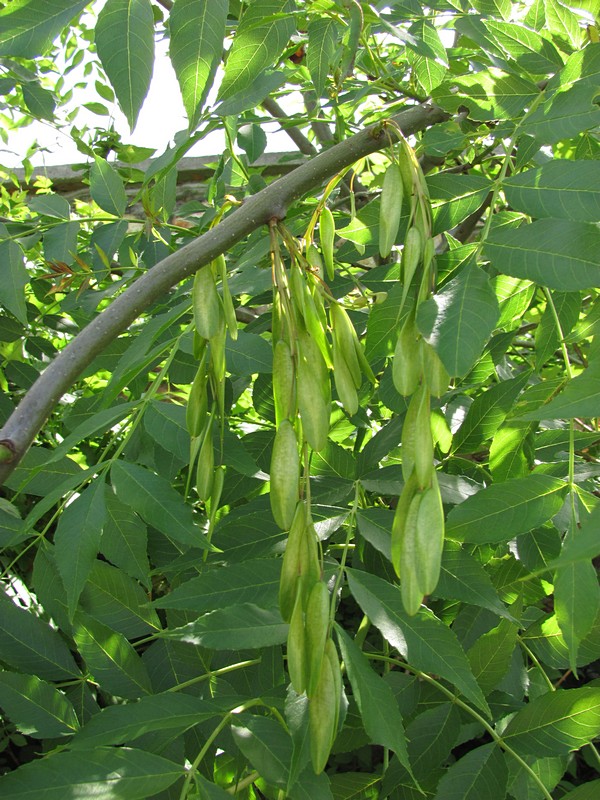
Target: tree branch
x,y
302,143
272,202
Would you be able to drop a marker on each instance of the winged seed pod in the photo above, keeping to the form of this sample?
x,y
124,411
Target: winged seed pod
x,y
323,710
292,562
228,307
390,209
285,475
317,627
197,404
327,238
313,390
296,646
346,339
344,383
410,585
407,363
207,303
284,382
429,537
411,254
206,465
435,374
398,525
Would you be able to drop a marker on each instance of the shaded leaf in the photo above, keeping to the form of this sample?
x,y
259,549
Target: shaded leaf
x,y
562,189
106,187
425,642
255,581
245,626
454,197
77,539
503,510
35,707
263,32
28,29
480,773
125,45
31,645
110,658
197,30
375,700
490,656
322,45
14,280
120,724
157,503
578,399
556,723
265,744
459,319
112,773
124,539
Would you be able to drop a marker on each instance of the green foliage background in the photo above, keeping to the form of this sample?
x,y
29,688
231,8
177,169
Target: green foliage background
x,y
142,652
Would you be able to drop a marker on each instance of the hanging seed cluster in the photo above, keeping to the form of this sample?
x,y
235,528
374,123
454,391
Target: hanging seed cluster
x,y
312,335
214,315
418,373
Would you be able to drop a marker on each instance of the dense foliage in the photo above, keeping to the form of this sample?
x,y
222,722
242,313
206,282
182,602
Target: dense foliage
x,y
386,366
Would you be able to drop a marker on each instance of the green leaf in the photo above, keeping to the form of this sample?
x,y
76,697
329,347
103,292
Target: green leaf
x,y
503,510
14,280
430,61
77,539
112,661
242,627
480,773
425,642
547,642
29,644
157,503
587,791
454,197
463,578
39,101
585,545
265,744
486,414
488,94
322,46
564,115
562,189
112,773
249,354
556,723
120,724
576,595
197,30
28,28
578,399
354,785
35,707
432,734
383,323
116,600
509,457
106,187
375,699
264,31
125,45
255,581
60,242
531,51
458,321
124,539
563,22
490,656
